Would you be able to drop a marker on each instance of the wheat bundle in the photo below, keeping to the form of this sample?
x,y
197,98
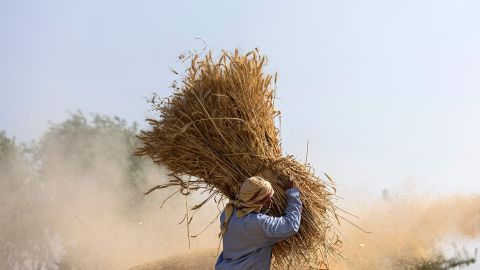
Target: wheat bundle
x,y
218,128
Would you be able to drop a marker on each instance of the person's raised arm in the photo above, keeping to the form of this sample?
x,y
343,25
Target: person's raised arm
x,y
279,228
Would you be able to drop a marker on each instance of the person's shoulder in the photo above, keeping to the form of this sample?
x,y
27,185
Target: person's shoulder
x,y
222,216
255,221
256,218
252,216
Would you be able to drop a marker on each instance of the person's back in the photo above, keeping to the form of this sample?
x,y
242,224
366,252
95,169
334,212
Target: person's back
x,y
248,240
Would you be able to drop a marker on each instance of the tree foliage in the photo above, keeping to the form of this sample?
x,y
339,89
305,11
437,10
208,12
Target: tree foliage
x,y
65,156
458,261
74,147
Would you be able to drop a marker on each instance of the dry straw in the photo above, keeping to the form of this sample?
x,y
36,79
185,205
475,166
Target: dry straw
x,y
218,128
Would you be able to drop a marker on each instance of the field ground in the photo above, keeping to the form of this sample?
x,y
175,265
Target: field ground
x,y
198,260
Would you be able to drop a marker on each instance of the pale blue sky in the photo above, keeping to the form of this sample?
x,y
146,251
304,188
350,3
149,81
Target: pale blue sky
x,y
386,91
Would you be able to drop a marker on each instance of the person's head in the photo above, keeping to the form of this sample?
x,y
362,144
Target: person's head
x,y
255,196
257,192
267,204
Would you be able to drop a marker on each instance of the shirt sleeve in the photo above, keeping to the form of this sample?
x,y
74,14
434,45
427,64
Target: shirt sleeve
x,y
278,228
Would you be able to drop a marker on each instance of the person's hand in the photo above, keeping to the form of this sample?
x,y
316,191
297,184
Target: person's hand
x,y
289,184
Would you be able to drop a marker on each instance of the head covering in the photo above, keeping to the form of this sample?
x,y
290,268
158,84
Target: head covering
x,y
254,192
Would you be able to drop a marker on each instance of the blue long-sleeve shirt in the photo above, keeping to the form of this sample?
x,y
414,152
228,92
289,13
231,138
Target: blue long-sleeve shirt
x,y
248,240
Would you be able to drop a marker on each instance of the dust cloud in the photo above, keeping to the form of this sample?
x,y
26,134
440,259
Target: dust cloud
x,y
401,232
407,228
74,200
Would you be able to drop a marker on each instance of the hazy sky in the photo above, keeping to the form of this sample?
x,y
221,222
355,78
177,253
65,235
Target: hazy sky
x,y
387,92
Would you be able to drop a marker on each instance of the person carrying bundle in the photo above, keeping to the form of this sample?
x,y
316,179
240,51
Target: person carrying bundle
x,y
217,128
248,233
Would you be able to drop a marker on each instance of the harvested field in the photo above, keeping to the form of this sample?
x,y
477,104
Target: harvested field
x,y
198,260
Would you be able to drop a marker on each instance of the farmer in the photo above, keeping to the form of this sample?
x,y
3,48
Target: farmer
x,y
248,233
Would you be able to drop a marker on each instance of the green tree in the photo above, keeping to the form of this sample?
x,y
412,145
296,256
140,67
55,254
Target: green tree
x,y
458,261
33,178
78,144
24,240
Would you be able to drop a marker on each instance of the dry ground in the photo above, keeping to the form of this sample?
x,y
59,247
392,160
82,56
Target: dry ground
x,y
198,260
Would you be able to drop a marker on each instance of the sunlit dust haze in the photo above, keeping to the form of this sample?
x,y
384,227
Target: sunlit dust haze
x,y
73,199
394,233
407,228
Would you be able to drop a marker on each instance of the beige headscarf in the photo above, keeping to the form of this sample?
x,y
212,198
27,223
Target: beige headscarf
x,y
253,194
